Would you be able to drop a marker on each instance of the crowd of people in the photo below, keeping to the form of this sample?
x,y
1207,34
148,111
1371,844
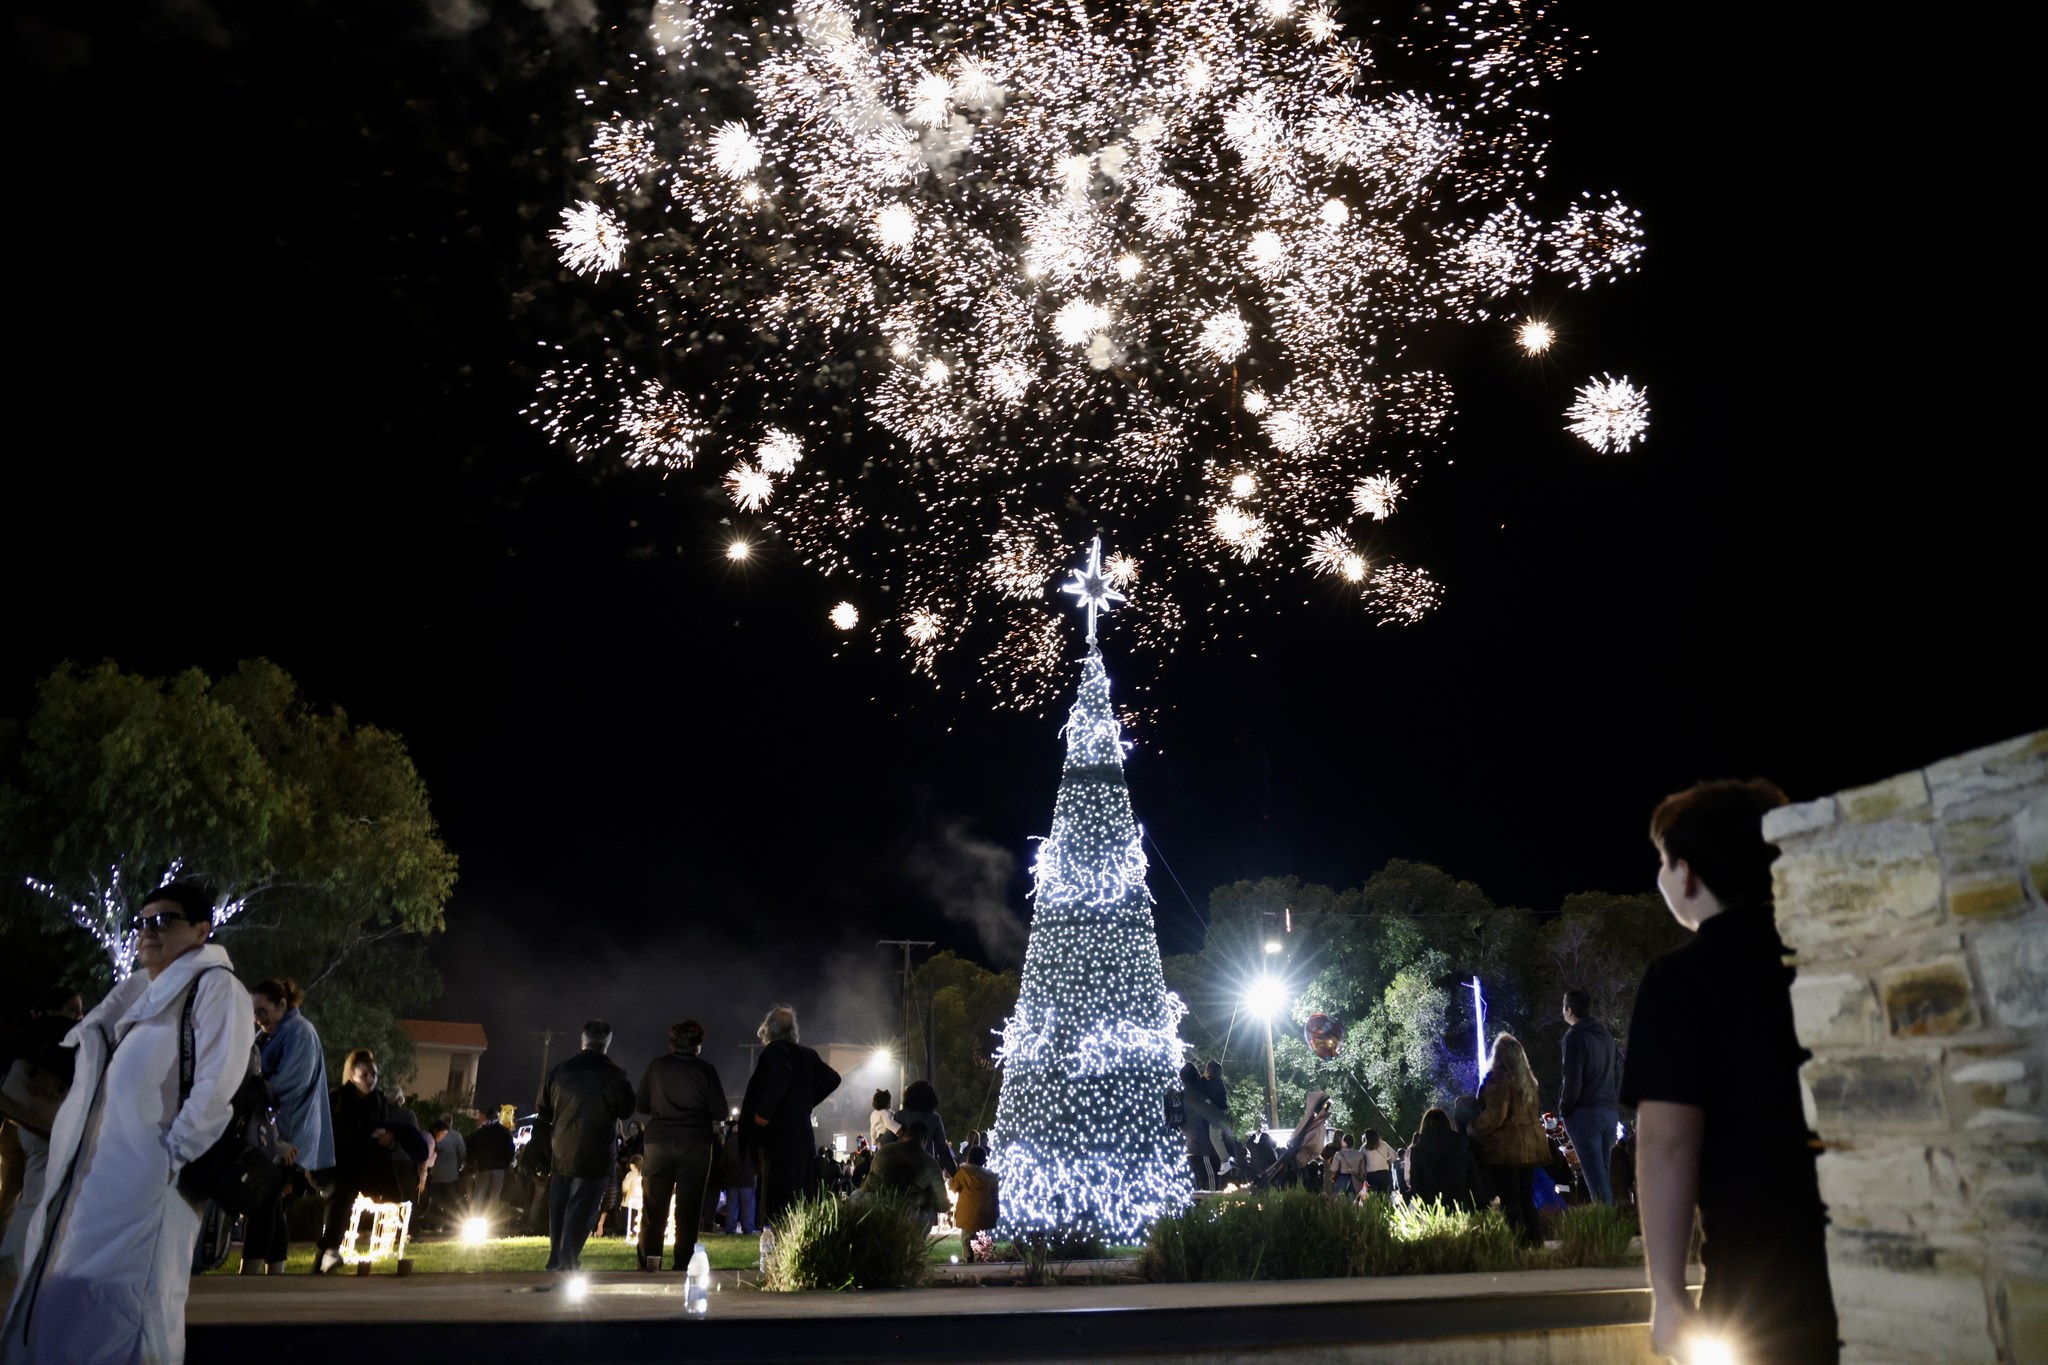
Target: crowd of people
x,y
121,1121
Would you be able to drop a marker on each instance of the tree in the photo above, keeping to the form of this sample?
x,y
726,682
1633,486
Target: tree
x,y
964,1004
316,833
1081,1140
1600,944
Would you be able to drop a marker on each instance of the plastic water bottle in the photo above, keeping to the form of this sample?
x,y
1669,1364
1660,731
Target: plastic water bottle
x,y
767,1248
697,1284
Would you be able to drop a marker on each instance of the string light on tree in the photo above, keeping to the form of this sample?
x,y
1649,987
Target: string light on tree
x,y
1080,1139
958,283
113,902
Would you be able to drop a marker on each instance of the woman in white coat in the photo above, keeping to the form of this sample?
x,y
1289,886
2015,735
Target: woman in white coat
x,y
109,1253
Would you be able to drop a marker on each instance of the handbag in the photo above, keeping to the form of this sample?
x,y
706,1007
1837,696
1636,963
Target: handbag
x,y
239,1172
32,1096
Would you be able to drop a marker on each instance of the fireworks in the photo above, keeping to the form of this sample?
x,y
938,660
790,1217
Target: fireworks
x,y
1376,497
1535,337
591,239
1154,271
1609,414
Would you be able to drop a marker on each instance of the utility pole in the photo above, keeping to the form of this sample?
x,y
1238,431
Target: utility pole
x,y
1272,1085
547,1038
903,1049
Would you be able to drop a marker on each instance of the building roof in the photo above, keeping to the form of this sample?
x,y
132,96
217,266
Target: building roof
x,y
440,1033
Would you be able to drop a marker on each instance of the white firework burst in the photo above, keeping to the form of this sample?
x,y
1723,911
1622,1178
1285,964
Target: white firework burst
x,y
623,151
779,452
1376,497
748,487
845,616
591,239
734,152
1600,239
1331,552
1535,336
1609,414
1244,532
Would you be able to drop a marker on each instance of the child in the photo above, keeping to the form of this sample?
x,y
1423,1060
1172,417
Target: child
x,y
975,1207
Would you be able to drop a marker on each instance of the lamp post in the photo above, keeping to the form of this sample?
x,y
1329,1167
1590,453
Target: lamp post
x,y
1265,996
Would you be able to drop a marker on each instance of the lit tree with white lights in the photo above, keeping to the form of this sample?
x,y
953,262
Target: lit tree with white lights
x,y
1080,1139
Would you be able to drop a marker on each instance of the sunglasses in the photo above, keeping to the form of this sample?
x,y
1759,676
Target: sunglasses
x,y
157,922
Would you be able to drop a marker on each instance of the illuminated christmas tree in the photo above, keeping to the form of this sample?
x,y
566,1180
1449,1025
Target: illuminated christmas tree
x,y
1081,1140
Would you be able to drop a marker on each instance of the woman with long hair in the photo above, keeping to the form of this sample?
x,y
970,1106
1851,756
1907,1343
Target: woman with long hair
x,y
1509,1130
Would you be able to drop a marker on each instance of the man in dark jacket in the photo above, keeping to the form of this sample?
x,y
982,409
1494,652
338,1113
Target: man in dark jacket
x,y
582,1103
683,1094
1589,1101
490,1154
788,1082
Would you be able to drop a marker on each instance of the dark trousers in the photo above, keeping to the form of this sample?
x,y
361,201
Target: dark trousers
x,y
439,1204
1592,1133
264,1238
684,1170
786,1177
572,1212
341,1203
1770,1295
1516,1186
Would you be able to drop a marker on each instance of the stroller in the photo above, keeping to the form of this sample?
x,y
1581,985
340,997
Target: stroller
x,y
1300,1161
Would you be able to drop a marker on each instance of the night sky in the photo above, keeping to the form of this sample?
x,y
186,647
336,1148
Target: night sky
x,y
279,278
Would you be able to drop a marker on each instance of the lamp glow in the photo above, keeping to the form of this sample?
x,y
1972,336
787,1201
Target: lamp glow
x,y
1267,995
475,1230
1706,1350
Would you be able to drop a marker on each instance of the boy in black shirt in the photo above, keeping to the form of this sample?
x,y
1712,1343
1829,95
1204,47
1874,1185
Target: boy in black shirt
x,y
1713,1070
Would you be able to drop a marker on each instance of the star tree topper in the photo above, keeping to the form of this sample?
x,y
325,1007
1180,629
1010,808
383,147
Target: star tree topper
x,y
1092,589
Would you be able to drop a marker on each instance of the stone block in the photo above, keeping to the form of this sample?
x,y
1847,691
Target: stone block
x,y
2030,833
1868,1178
1986,896
1791,822
1833,1011
2011,766
1850,1094
1976,843
2025,1318
1929,999
1886,877
2012,963
1904,1295
1883,800
2006,1184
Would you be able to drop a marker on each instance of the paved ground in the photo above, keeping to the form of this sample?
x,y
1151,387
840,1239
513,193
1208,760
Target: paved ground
x,y
628,1317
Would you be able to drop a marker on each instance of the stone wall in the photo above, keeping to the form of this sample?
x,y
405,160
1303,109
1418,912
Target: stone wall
x,y
1915,911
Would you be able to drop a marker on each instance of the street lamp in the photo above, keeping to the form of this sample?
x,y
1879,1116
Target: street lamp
x,y
1266,997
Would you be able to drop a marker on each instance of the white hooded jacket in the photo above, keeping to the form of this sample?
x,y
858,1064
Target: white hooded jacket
x,y
108,1259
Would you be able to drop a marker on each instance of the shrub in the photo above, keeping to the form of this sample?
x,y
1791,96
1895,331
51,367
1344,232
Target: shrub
x,y
1594,1235
869,1242
1296,1234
